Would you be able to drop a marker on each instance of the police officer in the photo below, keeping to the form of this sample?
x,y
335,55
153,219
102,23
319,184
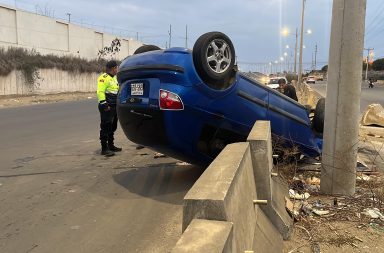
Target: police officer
x,y
107,88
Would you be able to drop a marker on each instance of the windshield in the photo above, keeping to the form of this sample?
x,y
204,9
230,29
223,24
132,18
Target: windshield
x,y
274,81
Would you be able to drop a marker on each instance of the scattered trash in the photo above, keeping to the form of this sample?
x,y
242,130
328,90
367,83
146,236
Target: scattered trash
x,y
306,208
318,204
374,213
320,212
290,207
363,177
182,164
72,190
159,155
357,238
75,227
1,184
89,97
315,247
362,167
294,195
298,185
313,181
58,181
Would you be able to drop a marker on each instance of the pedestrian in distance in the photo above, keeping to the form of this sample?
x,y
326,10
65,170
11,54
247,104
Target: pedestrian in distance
x,y
287,89
370,83
107,89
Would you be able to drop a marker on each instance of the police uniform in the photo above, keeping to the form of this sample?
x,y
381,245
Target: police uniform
x,y
107,89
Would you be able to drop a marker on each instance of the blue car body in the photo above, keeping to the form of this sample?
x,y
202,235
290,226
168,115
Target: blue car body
x,y
210,118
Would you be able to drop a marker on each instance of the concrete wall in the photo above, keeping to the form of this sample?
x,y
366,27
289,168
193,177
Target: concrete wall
x,y
50,36
49,81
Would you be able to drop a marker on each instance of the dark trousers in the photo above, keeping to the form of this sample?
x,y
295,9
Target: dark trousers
x,y
108,125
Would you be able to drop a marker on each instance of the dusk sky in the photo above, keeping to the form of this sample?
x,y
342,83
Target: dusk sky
x,y
253,25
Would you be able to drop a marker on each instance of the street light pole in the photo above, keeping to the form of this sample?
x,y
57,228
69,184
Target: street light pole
x,y
301,45
294,68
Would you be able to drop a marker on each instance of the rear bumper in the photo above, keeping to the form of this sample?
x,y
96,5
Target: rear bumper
x,y
157,130
143,126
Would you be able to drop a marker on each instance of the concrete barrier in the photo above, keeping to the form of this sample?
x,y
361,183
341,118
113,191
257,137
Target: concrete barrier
x,y
226,192
271,189
307,96
206,236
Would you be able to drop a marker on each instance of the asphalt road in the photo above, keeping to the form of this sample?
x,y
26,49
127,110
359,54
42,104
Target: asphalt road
x,y
58,194
368,96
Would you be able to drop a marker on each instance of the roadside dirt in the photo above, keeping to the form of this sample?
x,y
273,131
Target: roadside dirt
x,y
343,226
17,100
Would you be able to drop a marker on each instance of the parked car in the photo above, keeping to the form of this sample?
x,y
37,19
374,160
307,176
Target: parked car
x,y
190,104
311,79
274,82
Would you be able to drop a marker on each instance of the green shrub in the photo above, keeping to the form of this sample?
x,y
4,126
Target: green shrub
x,y
29,61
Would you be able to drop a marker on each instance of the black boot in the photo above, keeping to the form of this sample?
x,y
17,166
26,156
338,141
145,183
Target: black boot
x,y
113,148
106,151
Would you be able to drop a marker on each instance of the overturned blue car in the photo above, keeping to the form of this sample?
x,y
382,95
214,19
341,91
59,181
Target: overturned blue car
x,y
190,104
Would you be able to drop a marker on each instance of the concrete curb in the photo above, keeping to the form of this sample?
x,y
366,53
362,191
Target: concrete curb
x,y
206,236
273,190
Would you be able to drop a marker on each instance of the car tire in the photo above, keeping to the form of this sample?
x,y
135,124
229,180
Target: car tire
x,y
146,48
214,60
308,108
318,118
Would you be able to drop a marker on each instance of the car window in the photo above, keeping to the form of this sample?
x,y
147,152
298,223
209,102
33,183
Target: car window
x,y
273,81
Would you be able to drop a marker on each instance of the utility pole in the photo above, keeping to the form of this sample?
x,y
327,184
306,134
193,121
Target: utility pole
x,y
342,107
137,36
297,35
186,36
69,17
301,45
366,69
170,35
312,63
315,56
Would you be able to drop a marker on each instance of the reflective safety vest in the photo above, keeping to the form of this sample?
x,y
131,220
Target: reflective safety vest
x,y
107,88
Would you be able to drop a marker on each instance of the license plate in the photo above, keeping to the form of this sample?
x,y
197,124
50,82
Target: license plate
x,y
137,89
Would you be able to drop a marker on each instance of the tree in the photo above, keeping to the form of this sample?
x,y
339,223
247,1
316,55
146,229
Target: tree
x,y
324,69
111,50
378,64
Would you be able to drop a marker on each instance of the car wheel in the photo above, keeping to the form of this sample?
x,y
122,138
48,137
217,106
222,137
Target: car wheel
x,y
308,108
146,48
214,60
318,118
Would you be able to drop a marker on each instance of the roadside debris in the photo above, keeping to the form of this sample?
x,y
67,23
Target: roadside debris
x,y
295,195
159,155
374,213
182,164
374,115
